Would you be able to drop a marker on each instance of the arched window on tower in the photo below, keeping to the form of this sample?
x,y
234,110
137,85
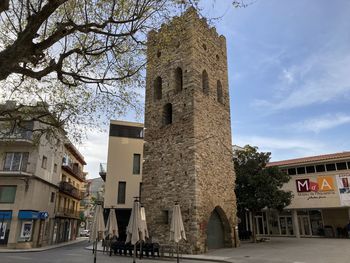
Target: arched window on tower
x,y
219,92
178,79
157,85
205,82
167,114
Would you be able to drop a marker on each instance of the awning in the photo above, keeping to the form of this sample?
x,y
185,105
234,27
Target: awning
x,y
28,214
5,215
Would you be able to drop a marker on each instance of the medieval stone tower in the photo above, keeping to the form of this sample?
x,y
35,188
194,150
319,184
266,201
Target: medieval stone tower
x,y
188,156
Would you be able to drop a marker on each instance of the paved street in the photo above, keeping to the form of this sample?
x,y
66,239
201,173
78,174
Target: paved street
x,y
278,250
72,254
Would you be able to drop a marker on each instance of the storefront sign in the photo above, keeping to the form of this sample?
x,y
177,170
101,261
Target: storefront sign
x,y
323,184
43,215
343,181
28,214
5,215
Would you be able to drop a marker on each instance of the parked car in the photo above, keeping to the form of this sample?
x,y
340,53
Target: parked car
x,y
85,233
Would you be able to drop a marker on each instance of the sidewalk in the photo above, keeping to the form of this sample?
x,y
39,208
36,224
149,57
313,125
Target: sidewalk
x,y
278,250
38,249
202,257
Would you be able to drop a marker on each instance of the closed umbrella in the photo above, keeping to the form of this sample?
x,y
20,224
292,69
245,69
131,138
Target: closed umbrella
x,y
134,228
177,230
98,228
111,229
112,224
144,230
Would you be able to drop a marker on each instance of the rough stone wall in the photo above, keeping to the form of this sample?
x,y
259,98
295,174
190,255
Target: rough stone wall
x,y
190,160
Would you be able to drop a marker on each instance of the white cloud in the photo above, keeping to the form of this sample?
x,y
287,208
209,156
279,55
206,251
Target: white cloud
x,y
94,149
284,148
319,79
321,123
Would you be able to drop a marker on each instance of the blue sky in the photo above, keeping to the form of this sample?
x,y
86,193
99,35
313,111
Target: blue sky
x,y
289,77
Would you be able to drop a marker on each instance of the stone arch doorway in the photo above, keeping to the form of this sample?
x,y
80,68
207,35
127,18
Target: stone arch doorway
x,y
218,230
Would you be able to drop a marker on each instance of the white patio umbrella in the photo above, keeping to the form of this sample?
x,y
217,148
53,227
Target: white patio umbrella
x,y
112,224
177,230
98,228
134,228
144,230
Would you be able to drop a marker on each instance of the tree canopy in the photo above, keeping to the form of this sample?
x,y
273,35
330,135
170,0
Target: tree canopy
x,y
258,186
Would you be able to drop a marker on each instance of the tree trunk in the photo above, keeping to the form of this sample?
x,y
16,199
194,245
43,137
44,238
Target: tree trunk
x,y
253,227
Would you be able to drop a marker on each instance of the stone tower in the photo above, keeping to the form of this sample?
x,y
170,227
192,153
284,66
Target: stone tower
x,y
187,151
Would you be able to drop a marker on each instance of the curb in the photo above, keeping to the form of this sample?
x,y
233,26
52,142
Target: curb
x,y
40,249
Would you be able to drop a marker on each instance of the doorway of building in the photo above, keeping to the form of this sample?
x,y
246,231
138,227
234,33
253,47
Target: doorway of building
x,y
304,225
215,231
285,225
260,225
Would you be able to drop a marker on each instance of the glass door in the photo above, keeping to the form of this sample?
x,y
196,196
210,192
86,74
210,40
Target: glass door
x,y
304,225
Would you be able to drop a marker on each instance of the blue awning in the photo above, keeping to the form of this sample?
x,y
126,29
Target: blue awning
x,y
5,215
28,214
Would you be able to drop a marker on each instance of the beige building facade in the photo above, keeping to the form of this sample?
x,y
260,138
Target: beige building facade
x,y
123,176
321,198
30,176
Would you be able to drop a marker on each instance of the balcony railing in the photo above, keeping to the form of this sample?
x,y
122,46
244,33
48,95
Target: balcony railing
x,y
26,136
67,212
73,170
69,189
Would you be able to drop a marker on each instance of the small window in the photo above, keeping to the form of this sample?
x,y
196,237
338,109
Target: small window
x,y
330,167
341,166
8,194
310,169
121,192
167,114
217,57
219,92
52,198
320,168
16,161
204,46
55,168
157,85
301,170
165,217
205,82
292,171
44,162
178,79
159,53
136,163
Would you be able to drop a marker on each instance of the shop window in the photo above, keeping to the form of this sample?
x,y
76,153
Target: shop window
x,y
292,171
26,231
341,166
320,168
301,170
219,92
178,79
205,82
8,194
310,169
167,114
157,85
330,167
16,161
121,192
136,167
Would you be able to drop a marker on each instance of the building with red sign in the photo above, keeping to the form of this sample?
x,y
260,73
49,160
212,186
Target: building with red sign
x,y
321,199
